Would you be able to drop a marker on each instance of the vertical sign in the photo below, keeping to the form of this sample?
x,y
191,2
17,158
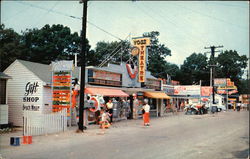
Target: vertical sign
x,y
61,84
141,44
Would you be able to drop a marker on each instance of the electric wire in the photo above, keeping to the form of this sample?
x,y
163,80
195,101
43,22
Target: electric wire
x,y
70,16
212,17
189,36
110,56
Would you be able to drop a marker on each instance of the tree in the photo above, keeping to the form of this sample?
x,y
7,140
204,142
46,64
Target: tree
x,y
43,45
114,52
10,47
231,65
51,43
157,53
194,69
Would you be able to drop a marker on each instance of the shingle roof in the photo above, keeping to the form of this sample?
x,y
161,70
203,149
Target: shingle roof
x,y
4,76
44,71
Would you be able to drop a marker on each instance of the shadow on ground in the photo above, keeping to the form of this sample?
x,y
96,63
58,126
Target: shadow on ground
x,y
241,154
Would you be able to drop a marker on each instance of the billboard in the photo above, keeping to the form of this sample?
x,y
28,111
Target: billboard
x,y
206,91
189,90
220,82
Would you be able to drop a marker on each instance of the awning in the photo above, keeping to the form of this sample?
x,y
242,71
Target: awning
x,y
160,95
106,92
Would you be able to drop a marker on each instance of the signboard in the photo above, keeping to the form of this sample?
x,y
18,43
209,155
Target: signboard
x,y
141,44
61,91
168,89
61,86
31,96
227,87
191,90
62,65
153,84
106,75
206,91
100,77
220,82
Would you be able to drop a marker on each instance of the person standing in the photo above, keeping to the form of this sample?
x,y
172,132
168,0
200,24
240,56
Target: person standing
x,y
110,110
146,109
135,107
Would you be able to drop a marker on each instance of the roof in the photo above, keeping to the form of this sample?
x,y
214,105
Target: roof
x,y
106,92
159,95
4,76
44,71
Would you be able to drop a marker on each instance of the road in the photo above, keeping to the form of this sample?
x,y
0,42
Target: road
x,y
218,136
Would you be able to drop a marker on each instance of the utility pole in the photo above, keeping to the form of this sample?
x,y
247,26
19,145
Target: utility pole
x,y
82,63
213,65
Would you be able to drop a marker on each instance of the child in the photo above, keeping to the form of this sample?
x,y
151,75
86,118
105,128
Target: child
x,y
104,120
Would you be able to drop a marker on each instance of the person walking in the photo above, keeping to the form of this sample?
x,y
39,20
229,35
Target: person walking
x,y
110,110
146,109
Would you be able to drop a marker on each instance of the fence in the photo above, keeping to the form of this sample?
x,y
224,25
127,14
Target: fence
x,y
36,123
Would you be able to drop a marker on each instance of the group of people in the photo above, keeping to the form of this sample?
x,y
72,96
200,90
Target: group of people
x,y
106,114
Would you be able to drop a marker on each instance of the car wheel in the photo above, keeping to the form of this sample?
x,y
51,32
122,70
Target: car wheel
x,y
219,109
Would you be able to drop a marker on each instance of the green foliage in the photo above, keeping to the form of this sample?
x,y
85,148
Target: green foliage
x,y
231,65
194,69
157,53
10,47
119,51
244,86
43,45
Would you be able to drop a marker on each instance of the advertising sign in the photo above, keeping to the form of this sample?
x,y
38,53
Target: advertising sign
x,y
141,44
31,96
191,90
168,89
206,91
106,75
220,82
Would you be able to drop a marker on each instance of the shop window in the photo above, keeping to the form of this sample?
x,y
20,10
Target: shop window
x,y
152,103
2,91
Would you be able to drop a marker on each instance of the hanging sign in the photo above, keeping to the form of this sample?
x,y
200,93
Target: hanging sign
x,y
141,43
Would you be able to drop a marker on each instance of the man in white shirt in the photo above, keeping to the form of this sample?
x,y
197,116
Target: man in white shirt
x,y
110,110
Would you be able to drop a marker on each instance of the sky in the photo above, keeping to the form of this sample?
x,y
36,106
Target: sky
x,y
185,27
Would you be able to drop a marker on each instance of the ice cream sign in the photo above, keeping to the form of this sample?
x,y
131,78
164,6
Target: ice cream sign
x,y
30,98
141,44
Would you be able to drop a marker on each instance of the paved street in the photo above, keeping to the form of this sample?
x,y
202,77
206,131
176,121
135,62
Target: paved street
x,y
219,136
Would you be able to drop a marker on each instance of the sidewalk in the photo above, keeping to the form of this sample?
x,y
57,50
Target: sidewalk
x,y
92,130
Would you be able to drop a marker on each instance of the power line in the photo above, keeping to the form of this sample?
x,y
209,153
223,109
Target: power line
x,y
228,5
46,13
180,29
71,16
209,16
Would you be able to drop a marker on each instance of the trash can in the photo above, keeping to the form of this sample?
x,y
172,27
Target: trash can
x,y
15,141
214,109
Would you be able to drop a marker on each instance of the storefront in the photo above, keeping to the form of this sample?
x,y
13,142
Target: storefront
x,y
3,99
156,102
29,89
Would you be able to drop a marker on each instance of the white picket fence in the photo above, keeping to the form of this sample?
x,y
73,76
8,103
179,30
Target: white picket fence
x,y
36,123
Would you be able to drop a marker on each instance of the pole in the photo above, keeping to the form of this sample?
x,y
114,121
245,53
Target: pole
x,y
213,69
211,74
83,50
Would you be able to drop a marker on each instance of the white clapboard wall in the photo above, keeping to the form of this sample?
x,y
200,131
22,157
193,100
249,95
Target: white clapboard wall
x,y
42,124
